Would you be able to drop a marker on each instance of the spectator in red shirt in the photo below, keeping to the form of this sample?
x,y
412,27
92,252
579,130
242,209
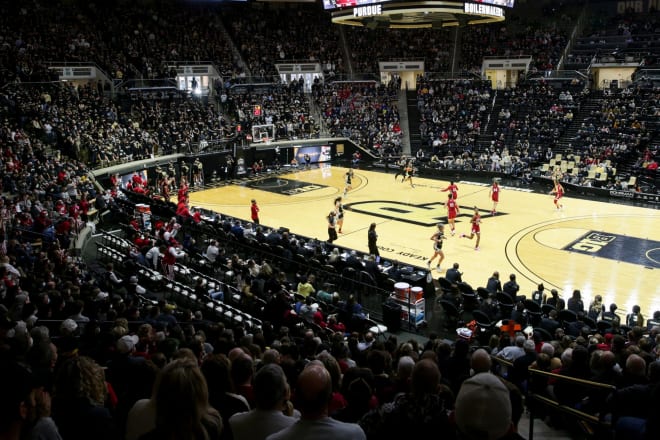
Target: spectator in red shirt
x,y
196,215
182,212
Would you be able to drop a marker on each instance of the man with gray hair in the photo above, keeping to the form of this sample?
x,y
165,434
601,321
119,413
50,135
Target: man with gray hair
x,y
403,373
548,349
513,352
634,372
519,374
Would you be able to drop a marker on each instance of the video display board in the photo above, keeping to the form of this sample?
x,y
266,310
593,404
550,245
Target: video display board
x,y
339,4
321,153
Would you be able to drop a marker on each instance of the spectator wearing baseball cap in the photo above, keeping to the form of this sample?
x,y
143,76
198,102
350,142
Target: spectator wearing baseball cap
x,y
126,373
483,409
67,343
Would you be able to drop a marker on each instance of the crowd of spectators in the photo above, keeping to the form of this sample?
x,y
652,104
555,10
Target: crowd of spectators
x,y
615,38
133,43
285,107
614,139
119,360
452,113
270,34
369,46
535,112
83,123
543,43
121,366
570,338
365,112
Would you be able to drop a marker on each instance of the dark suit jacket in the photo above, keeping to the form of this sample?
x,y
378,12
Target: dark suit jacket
x,y
494,285
453,275
550,325
355,263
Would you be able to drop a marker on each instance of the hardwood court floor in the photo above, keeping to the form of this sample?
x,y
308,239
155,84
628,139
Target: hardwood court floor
x,y
597,247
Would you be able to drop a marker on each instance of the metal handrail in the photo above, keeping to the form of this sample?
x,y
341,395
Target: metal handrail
x,y
581,415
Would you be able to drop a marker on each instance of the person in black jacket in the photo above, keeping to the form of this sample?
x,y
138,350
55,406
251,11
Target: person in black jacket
x,y
453,275
550,323
372,238
494,285
575,302
511,287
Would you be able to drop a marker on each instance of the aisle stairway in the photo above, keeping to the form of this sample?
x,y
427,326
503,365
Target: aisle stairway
x,y
489,125
403,104
414,121
587,107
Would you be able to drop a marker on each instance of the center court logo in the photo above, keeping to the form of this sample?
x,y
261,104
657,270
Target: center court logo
x,y
421,215
591,243
617,247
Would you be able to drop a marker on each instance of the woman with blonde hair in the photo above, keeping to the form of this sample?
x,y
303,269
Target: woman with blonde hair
x,y
78,404
182,405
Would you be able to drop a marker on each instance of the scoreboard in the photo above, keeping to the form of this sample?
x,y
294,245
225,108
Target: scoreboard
x,y
338,4
410,14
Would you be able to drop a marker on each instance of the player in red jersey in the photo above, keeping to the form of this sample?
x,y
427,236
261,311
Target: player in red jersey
x,y
254,212
558,191
453,190
452,212
494,195
476,229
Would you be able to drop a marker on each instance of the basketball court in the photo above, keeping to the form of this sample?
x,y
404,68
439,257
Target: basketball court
x,y
598,247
